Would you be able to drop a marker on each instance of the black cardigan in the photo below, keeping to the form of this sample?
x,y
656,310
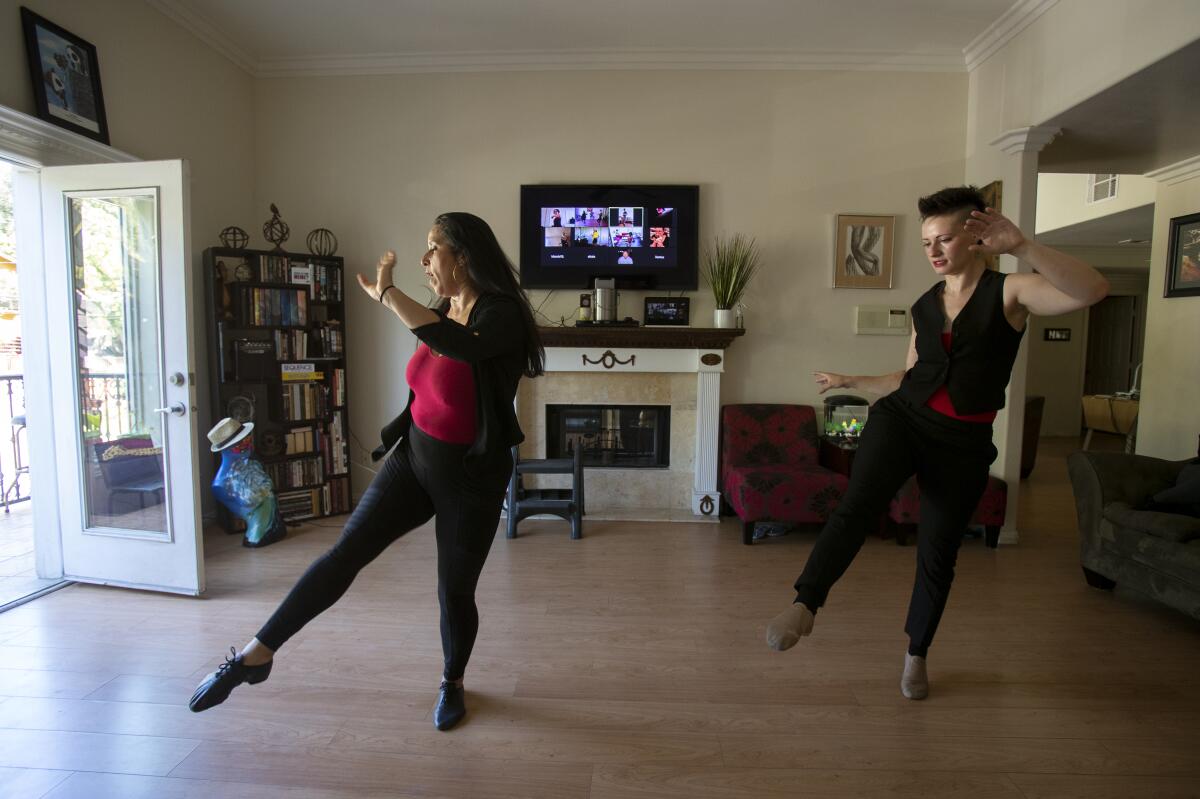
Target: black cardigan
x,y
493,343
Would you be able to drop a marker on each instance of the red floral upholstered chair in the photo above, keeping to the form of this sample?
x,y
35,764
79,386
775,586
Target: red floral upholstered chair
x,y
905,510
769,469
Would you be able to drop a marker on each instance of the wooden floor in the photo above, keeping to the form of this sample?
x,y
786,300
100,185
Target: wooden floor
x,y
628,664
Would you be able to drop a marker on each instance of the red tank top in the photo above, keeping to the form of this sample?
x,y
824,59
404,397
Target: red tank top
x,y
940,401
444,396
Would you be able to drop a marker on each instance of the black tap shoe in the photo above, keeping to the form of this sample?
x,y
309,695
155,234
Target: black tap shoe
x,y
217,686
450,706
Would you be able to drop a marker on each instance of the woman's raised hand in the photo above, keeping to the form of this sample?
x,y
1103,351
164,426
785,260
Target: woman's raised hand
x,y
828,380
995,233
383,276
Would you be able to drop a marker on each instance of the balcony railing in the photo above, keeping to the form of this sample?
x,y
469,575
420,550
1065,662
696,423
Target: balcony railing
x,y
106,415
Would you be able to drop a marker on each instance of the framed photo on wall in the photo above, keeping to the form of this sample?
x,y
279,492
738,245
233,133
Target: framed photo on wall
x,y
1183,257
863,251
993,197
66,77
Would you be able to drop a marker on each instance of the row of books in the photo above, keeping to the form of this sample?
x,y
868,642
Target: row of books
x,y
273,269
324,281
337,388
333,497
300,440
328,339
259,306
305,401
296,473
337,460
320,342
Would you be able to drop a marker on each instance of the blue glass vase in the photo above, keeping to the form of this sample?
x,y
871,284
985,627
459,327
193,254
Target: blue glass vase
x,y
242,486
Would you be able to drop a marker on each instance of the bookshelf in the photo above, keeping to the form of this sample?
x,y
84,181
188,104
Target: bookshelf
x,y
276,327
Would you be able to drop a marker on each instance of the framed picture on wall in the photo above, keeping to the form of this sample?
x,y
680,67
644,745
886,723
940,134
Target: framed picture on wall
x,y
1183,257
863,251
993,197
66,77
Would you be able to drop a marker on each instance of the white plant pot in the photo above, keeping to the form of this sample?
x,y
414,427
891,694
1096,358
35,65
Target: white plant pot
x,y
725,317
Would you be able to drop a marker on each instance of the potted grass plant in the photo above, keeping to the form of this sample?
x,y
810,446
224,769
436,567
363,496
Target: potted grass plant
x,y
729,266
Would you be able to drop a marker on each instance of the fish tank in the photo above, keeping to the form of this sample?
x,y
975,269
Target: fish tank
x,y
845,417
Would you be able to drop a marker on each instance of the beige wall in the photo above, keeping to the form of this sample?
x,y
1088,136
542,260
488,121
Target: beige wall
x,y
776,155
1169,422
167,95
1062,199
1074,50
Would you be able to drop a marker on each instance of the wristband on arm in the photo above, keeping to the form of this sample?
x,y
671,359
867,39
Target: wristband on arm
x,y
383,293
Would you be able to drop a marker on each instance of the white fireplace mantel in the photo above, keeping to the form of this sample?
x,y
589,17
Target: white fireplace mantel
x,y
700,351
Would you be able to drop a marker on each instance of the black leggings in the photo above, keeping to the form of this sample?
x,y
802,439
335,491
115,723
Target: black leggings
x,y
422,478
950,459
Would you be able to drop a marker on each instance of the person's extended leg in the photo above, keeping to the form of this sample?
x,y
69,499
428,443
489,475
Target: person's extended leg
x,y
393,504
951,486
468,514
881,465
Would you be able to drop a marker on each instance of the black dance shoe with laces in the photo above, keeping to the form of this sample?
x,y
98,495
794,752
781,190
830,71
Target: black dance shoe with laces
x,y
217,686
450,706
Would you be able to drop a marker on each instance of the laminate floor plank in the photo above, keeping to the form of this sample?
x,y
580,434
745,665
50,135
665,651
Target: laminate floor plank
x,y
29,783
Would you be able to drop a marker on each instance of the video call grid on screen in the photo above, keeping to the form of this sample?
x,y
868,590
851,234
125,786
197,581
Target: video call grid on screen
x,y
620,235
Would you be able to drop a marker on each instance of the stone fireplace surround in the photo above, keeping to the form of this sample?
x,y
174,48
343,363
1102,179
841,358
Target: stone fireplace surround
x,y
680,367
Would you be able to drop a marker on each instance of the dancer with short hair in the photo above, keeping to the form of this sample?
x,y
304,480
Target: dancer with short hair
x,y
936,418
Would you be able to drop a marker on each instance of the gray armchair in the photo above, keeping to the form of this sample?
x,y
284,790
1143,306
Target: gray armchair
x,y
1154,553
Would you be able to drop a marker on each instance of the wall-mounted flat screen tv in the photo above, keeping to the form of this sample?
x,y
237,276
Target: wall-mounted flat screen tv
x,y
646,237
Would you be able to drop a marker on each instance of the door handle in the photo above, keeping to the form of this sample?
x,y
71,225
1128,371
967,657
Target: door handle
x,y
178,409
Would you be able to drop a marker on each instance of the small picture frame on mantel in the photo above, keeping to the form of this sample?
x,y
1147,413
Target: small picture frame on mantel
x,y
66,77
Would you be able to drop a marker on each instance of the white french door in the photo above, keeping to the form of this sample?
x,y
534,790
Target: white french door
x,y
122,366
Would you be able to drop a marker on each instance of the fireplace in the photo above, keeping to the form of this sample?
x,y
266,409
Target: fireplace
x,y
617,436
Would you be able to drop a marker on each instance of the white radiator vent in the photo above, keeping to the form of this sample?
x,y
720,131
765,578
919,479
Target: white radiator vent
x,y
880,320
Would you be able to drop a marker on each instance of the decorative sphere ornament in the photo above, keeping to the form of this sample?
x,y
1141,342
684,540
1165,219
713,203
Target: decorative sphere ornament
x,y
234,238
275,230
322,242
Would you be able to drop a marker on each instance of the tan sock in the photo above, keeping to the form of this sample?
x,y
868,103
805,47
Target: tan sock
x,y
915,682
788,627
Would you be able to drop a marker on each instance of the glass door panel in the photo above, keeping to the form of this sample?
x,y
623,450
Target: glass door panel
x,y
114,265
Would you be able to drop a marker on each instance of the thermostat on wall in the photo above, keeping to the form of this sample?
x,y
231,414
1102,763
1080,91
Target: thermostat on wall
x,y
880,320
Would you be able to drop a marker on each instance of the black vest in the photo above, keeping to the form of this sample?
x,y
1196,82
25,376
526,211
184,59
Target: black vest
x,y
983,346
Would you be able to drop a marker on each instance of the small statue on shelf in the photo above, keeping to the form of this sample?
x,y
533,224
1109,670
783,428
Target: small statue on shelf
x,y
242,484
275,230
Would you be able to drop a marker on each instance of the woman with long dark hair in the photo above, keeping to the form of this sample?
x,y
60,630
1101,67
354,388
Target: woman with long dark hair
x,y
450,452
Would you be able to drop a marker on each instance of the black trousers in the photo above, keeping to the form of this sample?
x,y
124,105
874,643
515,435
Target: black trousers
x,y
421,479
950,459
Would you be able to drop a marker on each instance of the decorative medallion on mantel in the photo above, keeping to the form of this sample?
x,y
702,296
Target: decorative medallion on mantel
x,y
609,359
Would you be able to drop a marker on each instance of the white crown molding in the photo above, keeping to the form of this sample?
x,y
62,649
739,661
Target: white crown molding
x,y
1024,140
1003,30
182,14
527,61
1177,172
38,143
